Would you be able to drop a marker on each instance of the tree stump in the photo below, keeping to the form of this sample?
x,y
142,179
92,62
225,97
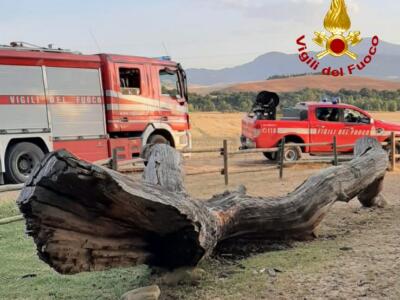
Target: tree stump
x,y
87,218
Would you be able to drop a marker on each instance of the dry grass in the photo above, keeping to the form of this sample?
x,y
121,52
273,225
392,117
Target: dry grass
x,y
209,129
387,116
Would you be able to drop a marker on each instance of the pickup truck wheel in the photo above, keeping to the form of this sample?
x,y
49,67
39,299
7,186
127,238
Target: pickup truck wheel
x,y
292,153
389,150
271,155
20,161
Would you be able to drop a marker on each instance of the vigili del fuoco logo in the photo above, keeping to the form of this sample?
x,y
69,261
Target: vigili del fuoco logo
x,y
338,42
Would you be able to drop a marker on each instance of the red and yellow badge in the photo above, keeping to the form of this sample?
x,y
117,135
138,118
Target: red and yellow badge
x,y
338,42
337,22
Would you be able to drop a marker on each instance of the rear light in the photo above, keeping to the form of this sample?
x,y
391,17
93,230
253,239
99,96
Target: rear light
x,y
256,132
188,121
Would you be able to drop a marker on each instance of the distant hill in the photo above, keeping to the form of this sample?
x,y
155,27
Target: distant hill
x,y
294,84
386,65
323,82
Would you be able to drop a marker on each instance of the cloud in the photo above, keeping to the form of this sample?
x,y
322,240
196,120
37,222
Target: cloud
x,y
275,10
282,11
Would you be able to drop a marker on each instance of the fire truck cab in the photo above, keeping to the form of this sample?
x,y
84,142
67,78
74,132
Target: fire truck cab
x,y
52,99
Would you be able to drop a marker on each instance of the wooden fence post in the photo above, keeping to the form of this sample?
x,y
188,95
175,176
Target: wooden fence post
x,y
281,157
114,160
335,153
393,151
226,169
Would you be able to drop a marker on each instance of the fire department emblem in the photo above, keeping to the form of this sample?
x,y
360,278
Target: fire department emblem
x,y
337,22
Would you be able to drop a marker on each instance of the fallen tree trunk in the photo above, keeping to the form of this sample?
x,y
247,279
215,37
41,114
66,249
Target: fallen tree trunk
x,y
83,217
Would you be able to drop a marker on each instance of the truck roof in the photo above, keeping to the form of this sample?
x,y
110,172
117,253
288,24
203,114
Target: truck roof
x,y
53,54
19,53
137,59
306,105
325,104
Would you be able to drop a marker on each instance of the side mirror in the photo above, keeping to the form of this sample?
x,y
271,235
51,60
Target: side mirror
x,y
181,100
372,121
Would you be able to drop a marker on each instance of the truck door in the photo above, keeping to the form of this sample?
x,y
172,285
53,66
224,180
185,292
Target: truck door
x,y
325,123
173,106
134,97
356,125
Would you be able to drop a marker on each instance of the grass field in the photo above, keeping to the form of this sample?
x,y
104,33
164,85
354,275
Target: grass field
x,y
311,270
24,276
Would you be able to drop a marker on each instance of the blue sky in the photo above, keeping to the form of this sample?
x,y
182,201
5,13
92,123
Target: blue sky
x,y
199,33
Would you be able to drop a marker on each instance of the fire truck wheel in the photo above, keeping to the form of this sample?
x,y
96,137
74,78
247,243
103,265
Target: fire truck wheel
x,y
20,161
292,153
157,139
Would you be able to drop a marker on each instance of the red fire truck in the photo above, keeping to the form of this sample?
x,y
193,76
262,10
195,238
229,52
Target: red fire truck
x,y
309,122
88,104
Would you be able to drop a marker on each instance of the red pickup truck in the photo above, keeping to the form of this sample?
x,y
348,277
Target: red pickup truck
x,y
309,122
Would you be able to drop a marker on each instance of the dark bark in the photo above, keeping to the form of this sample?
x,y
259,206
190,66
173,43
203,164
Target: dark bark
x,y
83,217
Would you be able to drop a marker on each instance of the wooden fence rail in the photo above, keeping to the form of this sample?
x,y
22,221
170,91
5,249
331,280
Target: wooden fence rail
x,y
224,151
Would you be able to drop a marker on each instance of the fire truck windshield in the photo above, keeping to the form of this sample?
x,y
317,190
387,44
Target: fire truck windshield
x,y
183,80
170,83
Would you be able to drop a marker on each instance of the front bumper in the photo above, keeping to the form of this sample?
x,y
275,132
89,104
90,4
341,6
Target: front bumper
x,y
183,140
247,143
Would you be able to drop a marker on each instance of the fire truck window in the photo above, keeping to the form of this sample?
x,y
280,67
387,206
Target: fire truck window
x,y
73,82
129,81
328,114
170,85
353,116
21,80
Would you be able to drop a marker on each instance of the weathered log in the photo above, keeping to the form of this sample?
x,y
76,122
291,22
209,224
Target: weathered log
x,y
84,217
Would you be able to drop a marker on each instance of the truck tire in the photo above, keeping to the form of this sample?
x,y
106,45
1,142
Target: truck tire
x,y
20,160
271,155
291,153
157,139
389,151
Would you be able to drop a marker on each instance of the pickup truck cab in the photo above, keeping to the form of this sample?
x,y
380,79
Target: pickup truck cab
x,y
312,122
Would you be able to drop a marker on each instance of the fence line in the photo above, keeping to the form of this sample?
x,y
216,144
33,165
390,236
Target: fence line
x,y
225,153
115,163
253,151
205,150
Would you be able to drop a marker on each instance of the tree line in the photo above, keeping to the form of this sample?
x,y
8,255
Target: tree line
x,y
366,99
273,77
